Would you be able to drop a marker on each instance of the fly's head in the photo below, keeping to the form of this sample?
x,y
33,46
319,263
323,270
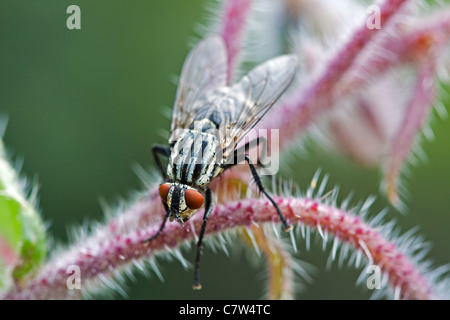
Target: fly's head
x,y
182,200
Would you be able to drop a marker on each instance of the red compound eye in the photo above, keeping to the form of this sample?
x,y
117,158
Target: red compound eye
x,y
193,198
164,191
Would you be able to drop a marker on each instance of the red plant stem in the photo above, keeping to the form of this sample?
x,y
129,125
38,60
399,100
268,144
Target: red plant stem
x,y
297,110
102,253
234,17
416,115
408,46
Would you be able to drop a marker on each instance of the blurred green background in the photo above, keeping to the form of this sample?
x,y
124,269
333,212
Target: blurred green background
x,y
85,105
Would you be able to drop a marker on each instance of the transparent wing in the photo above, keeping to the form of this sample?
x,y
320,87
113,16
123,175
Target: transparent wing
x,y
204,70
250,98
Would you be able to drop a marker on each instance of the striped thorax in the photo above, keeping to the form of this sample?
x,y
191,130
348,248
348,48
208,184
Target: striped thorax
x,y
195,157
194,161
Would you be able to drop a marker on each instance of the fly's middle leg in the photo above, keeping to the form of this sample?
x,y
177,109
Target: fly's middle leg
x,y
261,188
164,151
243,150
255,175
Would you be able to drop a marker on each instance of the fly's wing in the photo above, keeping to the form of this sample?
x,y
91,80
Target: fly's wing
x,y
253,96
204,70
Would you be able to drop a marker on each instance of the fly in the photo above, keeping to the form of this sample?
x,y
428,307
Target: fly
x,y
209,119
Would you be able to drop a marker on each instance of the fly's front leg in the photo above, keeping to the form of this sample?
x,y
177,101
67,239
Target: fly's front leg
x,y
287,227
161,227
164,151
209,206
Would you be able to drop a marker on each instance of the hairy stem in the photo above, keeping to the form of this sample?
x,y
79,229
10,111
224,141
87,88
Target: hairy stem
x,y
399,47
297,110
104,253
234,17
415,118
279,265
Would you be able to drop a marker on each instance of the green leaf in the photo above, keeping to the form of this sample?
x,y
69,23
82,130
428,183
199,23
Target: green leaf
x,y
22,233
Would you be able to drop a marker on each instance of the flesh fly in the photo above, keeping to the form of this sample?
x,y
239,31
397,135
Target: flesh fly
x,y
209,119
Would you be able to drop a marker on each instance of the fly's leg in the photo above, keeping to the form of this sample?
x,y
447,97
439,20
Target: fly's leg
x,y
287,227
244,149
263,141
161,227
261,188
209,206
164,151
